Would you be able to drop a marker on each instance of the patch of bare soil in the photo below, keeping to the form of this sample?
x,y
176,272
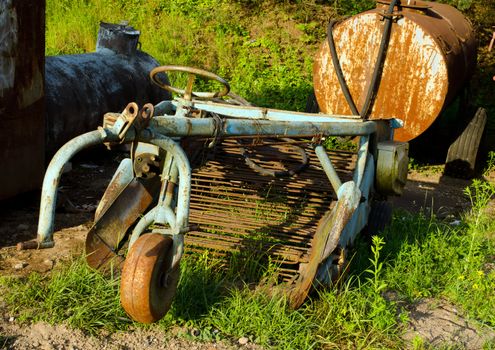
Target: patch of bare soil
x,y
439,323
431,192
59,337
80,190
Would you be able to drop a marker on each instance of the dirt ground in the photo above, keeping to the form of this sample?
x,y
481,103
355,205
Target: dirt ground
x,y
435,321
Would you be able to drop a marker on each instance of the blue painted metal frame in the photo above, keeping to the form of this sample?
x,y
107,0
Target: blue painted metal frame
x,y
238,121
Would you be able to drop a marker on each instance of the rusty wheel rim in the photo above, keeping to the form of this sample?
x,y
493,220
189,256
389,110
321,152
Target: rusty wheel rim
x,y
148,284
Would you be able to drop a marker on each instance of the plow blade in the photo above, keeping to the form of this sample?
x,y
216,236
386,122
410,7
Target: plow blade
x,y
104,238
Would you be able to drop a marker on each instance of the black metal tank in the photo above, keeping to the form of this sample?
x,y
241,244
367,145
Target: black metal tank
x,y
80,89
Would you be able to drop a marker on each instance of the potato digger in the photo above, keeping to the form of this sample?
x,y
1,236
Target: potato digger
x,y
209,171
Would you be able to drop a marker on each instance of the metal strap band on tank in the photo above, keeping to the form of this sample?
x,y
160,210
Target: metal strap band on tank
x,y
338,68
377,72
373,88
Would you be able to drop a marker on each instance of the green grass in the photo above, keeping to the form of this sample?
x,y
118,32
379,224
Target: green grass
x,y
217,35
264,48
416,257
75,293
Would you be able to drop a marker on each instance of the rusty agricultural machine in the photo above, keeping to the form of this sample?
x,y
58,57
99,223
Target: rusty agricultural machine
x,y
209,171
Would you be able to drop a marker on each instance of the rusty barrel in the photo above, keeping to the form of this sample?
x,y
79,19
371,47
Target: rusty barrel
x,y
431,53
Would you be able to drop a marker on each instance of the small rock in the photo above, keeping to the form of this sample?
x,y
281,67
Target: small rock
x,y
49,263
243,341
22,227
20,266
455,223
11,319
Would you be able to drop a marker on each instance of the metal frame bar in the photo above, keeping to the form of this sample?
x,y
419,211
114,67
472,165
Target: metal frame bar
x,y
176,167
52,179
255,122
328,167
252,112
181,126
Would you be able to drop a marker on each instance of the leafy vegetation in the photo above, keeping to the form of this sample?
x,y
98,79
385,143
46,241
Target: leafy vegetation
x,y
416,257
264,48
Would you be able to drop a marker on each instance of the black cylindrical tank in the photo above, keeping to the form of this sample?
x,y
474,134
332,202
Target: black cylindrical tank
x,y
80,89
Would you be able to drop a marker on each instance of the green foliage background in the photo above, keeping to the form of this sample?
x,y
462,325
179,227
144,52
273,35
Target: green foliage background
x,y
264,48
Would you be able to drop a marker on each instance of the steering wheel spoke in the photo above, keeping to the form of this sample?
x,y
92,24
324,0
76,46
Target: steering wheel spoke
x,y
188,92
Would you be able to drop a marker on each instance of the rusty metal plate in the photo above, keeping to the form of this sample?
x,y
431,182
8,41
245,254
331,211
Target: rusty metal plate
x,y
325,241
104,238
430,55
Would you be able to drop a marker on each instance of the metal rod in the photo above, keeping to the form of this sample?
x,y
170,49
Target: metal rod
x,y
184,193
147,220
180,126
327,165
252,112
361,162
52,178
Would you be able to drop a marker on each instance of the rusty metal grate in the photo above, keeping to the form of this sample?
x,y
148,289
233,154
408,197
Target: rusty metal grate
x,y
234,208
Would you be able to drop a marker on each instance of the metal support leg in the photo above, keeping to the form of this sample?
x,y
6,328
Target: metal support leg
x,y
361,161
52,178
327,165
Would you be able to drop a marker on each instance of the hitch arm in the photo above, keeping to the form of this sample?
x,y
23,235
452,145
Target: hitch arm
x,y
50,185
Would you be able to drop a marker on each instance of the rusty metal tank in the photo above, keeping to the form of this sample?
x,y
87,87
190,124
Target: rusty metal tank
x,y
431,53
80,89
22,118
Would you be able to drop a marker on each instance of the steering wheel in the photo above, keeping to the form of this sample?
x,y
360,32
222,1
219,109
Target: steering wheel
x,y
187,93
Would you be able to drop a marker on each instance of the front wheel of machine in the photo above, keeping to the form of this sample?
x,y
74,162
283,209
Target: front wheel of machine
x,y
148,284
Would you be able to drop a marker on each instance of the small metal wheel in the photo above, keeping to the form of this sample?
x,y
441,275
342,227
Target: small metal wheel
x,y
148,284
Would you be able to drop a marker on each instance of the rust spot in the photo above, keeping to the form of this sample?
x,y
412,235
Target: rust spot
x,y
104,238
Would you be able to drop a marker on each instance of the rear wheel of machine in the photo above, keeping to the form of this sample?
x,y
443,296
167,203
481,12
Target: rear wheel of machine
x,y
148,284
